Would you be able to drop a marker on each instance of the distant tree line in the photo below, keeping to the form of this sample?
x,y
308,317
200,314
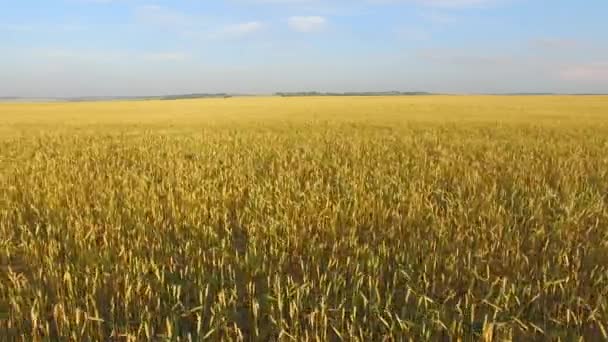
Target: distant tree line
x,y
367,93
194,96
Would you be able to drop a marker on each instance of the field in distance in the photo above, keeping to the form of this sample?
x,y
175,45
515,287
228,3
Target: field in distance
x,y
330,218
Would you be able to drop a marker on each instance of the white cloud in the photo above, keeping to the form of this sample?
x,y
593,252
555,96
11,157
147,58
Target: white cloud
x,y
192,25
243,28
230,31
307,24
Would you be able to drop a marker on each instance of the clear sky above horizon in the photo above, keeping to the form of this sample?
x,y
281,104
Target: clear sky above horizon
x,y
146,47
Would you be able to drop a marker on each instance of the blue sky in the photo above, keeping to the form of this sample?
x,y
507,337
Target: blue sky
x,y
144,47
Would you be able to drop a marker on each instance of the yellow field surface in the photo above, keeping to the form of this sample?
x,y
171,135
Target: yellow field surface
x,y
529,109
312,218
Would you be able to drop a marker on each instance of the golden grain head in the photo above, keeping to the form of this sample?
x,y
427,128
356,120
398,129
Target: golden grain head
x,y
372,218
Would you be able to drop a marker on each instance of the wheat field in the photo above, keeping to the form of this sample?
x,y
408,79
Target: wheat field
x,y
313,218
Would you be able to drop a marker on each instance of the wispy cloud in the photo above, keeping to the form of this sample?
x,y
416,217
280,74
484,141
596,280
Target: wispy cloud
x,y
595,72
449,56
556,43
241,29
194,26
83,55
307,24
